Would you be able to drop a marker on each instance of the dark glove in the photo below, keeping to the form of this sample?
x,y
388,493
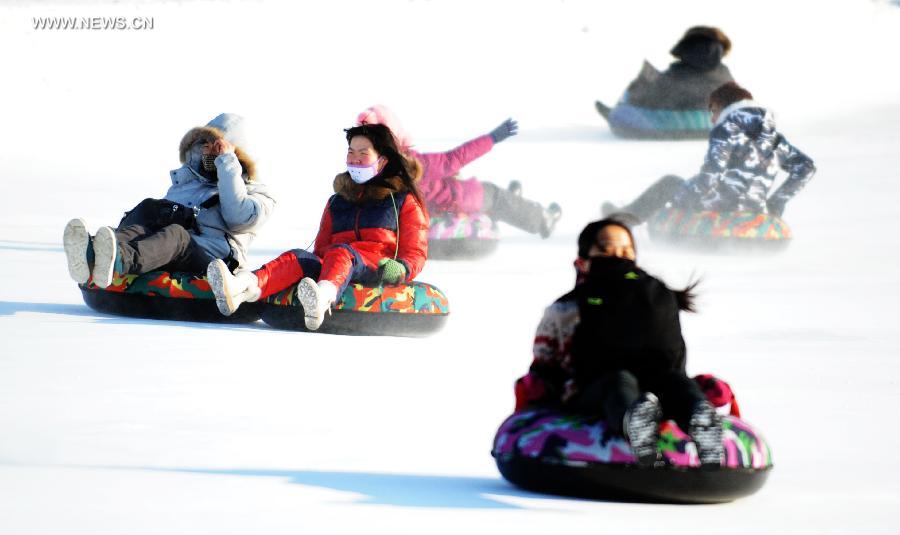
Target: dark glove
x,y
775,206
506,129
391,271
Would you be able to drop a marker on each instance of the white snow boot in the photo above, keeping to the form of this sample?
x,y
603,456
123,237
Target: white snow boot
x,y
706,431
231,290
105,253
76,243
641,426
316,298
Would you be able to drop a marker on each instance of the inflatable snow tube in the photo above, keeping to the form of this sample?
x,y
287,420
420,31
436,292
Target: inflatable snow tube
x,y
413,309
461,236
552,452
720,230
634,122
162,295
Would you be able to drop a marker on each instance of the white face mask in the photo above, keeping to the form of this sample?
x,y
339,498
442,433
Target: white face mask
x,y
362,173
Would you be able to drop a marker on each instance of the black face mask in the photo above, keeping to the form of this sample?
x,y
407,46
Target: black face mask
x,y
604,267
203,164
209,162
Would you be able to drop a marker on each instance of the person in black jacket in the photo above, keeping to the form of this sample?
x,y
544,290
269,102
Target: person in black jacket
x,y
628,355
687,83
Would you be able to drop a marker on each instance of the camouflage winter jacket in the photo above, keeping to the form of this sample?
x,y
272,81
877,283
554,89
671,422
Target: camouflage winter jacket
x,y
744,155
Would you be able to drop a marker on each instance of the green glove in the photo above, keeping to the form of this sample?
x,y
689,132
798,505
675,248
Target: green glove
x,y
391,271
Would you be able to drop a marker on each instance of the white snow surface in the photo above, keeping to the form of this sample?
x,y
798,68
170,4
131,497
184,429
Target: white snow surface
x,y
119,425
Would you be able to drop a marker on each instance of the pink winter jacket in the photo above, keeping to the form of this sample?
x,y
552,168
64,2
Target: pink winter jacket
x,y
443,191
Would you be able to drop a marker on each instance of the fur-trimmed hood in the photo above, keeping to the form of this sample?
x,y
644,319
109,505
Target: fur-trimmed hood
x,y
208,134
377,188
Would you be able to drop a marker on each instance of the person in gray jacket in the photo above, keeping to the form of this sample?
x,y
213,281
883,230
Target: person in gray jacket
x,y
213,209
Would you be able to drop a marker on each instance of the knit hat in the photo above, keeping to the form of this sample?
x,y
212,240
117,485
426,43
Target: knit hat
x,y
701,32
379,114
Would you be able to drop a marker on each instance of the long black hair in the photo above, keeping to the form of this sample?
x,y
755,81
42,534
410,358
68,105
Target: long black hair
x,y
685,297
385,144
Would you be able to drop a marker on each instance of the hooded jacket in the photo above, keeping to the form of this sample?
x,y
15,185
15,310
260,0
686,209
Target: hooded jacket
x,y
743,158
227,228
378,219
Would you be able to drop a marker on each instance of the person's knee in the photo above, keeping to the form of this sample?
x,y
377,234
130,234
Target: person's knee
x,y
309,263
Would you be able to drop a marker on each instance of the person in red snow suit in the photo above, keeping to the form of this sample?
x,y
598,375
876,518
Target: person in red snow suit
x,y
445,192
612,347
374,229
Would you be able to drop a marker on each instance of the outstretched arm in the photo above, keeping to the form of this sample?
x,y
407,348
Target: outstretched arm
x,y
800,168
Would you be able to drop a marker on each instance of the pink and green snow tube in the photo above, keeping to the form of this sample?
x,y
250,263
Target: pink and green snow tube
x,y
549,451
461,236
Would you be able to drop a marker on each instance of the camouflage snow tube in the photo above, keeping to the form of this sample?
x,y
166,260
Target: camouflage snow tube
x,y
461,236
720,230
413,309
162,295
547,451
634,122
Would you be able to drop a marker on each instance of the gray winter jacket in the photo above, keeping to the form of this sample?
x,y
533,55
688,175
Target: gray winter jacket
x,y
227,228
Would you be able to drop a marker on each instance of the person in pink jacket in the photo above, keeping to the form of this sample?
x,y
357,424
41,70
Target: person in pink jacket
x,y
445,192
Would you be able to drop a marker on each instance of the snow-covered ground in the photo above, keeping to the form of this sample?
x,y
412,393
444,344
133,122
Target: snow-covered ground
x,y
115,425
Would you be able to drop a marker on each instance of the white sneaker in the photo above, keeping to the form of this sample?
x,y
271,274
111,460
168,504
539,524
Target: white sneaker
x,y
76,241
231,290
105,250
316,299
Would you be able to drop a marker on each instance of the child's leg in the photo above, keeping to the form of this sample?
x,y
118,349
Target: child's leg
x,y
286,270
610,396
654,198
530,216
678,394
341,265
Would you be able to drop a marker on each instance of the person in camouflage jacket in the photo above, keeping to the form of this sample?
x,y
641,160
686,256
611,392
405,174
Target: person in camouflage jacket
x,y
744,155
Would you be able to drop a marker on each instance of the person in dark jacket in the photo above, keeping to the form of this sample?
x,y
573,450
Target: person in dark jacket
x,y
612,347
688,82
744,156
213,209
374,228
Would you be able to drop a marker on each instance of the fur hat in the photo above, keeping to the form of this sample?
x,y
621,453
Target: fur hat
x,y
379,114
702,32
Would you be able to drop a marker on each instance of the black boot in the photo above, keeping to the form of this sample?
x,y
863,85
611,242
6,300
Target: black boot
x,y
602,109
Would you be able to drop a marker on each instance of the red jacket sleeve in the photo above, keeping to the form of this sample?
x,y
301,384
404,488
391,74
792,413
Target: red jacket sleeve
x,y
323,238
412,248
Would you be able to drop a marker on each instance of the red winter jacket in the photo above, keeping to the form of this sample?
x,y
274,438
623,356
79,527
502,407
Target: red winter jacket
x,y
366,217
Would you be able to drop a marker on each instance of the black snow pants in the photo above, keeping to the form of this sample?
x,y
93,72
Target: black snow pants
x,y
148,242
611,395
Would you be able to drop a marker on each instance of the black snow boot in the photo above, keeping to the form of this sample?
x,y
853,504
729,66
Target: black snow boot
x,y
602,109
